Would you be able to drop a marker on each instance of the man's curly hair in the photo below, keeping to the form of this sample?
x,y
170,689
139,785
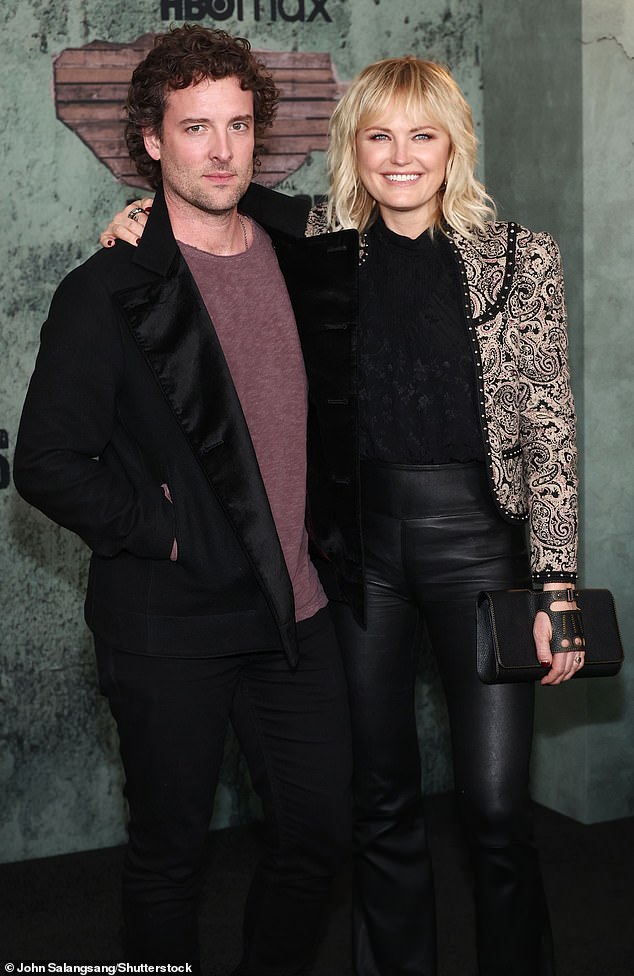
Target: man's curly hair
x,y
181,57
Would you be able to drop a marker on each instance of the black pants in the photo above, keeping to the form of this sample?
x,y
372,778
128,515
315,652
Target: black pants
x,y
432,540
293,727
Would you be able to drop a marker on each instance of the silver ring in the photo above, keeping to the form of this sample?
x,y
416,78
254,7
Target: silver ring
x,y
133,214
578,659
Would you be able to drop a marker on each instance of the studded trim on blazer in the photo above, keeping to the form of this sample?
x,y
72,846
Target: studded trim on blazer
x,y
496,305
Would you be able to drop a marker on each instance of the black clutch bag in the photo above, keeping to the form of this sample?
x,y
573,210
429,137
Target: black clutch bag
x,y
505,645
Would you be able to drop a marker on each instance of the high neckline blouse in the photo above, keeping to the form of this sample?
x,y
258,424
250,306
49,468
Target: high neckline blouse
x,y
417,376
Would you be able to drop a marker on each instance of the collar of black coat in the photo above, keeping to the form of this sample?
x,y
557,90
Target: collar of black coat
x,y
157,248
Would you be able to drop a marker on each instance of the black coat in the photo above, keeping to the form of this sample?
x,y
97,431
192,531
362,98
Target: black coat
x,y
131,390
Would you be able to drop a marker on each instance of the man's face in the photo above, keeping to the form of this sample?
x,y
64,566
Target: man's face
x,y
206,146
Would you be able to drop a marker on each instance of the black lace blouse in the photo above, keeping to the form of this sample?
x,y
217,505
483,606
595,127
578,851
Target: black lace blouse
x,y
417,377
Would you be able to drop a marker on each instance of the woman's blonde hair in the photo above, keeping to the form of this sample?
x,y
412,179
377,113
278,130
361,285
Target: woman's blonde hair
x,y
427,91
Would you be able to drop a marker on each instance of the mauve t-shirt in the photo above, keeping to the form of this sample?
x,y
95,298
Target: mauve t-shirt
x,y
246,297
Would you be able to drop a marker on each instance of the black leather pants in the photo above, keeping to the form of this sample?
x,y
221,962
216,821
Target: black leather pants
x,y
433,539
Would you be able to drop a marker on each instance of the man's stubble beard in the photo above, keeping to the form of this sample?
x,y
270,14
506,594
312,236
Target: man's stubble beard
x,y
216,202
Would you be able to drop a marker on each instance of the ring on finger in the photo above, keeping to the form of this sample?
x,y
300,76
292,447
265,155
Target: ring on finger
x,y
578,659
134,213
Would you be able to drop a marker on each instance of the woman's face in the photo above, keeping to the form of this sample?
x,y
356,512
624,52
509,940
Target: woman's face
x,y
402,162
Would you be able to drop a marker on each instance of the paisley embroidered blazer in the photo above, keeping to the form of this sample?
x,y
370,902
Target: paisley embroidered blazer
x,y
514,309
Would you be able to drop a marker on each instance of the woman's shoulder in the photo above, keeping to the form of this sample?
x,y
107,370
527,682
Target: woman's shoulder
x,y
506,235
317,222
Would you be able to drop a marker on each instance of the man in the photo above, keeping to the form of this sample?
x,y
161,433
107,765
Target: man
x,y
165,423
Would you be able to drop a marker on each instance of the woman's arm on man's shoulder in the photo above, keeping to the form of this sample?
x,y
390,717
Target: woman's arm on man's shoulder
x,y
127,228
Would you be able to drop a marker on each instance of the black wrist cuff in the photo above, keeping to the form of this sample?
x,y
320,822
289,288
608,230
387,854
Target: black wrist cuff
x,y
547,597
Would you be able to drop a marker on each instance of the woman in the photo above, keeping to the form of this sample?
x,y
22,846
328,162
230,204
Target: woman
x,y
466,432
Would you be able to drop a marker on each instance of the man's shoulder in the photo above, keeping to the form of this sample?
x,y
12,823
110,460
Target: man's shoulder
x,y
93,282
114,266
276,210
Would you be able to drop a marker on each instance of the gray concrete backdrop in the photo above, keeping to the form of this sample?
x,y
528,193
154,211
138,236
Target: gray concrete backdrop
x,y
559,132
551,89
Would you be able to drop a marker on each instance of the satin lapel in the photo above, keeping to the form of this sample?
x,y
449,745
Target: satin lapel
x,y
171,326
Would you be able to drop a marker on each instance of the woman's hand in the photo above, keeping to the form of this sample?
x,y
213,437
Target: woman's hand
x,y
123,227
563,664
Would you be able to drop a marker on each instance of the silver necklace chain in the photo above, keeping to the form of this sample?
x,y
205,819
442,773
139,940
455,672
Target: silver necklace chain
x,y
244,231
